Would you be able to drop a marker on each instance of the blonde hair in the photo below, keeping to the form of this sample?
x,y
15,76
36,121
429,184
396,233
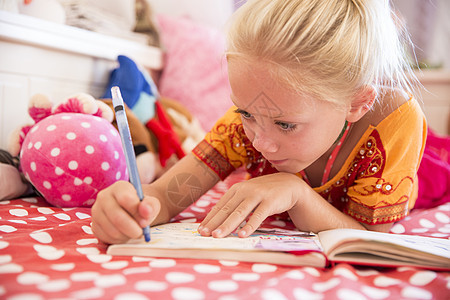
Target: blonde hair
x,y
326,48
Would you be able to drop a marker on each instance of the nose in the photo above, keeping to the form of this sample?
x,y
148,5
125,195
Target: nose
x,y
264,144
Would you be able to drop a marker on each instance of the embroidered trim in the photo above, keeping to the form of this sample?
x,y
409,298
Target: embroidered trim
x,y
369,162
213,159
381,215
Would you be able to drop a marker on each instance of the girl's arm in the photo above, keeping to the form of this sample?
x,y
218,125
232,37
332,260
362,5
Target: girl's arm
x,y
313,213
118,215
258,198
181,186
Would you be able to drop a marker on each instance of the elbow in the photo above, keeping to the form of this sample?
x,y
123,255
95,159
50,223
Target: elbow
x,y
379,227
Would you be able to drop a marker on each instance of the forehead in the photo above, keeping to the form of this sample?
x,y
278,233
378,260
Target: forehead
x,y
256,88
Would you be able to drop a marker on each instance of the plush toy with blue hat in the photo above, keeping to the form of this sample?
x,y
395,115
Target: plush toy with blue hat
x,y
141,95
135,87
173,129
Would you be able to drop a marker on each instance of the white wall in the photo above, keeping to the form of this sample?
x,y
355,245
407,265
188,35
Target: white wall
x,y
429,25
211,12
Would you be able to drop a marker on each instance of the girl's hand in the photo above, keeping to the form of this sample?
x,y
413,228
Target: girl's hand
x,y
118,215
261,197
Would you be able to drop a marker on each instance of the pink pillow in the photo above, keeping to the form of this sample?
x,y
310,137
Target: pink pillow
x,y
195,70
434,172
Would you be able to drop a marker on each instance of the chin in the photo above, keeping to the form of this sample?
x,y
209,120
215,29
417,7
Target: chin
x,y
287,169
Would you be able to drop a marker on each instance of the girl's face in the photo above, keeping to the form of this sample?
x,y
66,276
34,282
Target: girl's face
x,y
290,130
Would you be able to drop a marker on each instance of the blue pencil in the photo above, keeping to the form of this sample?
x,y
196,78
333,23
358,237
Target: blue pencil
x,y
124,130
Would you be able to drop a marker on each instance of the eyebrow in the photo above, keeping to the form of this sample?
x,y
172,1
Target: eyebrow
x,y
232,97
282,116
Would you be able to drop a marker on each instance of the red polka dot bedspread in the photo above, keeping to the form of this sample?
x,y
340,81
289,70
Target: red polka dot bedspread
x,y
50,253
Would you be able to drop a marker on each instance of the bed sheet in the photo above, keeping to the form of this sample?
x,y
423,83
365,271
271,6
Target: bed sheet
x,y
50,253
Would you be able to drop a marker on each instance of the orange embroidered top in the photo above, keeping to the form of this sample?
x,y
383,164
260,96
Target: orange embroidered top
x,y
377,183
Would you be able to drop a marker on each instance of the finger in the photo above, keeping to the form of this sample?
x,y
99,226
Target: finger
x,y
235,218
218,214
113,236
120,220
255,220
100,223
102,228
145,211
148,210
223,207
126,196
114,210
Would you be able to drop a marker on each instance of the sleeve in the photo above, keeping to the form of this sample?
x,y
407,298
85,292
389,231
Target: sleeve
x,y
385,187
224,148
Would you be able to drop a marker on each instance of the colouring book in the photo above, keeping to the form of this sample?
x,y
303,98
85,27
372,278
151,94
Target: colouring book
x,y
291,247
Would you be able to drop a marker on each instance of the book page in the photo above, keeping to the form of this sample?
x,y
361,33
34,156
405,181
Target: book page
x,y
186,236
396,247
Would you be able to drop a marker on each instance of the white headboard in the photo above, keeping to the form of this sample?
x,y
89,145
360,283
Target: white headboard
x,y
38,56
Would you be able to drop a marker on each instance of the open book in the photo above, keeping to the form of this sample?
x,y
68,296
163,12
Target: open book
x,y
295,248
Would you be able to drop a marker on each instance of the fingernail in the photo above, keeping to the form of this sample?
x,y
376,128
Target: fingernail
x,y
143,223
204,231
217,233
242,233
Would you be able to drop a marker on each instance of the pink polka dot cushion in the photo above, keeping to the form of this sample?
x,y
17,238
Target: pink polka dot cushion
x,y
195,72
70,157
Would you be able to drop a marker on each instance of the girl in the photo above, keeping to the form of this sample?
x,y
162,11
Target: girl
x,y
323,120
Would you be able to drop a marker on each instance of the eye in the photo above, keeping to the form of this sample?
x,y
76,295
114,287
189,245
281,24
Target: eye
x,y
243,113
286,126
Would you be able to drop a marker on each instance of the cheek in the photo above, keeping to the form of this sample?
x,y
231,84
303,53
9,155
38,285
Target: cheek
x,y
297,147
303,147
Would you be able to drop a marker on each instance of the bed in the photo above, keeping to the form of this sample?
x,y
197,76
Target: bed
x,y
48,252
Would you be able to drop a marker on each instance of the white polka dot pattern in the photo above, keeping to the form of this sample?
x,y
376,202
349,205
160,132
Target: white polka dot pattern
x,y
69,159
51,253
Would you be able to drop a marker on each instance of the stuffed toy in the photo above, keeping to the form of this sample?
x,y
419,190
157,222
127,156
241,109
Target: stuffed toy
x,y
144,144
186,128
141,96
71,152
12,183
174,131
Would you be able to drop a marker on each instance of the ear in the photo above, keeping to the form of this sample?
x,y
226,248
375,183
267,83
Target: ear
x,y
362,102
104,111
